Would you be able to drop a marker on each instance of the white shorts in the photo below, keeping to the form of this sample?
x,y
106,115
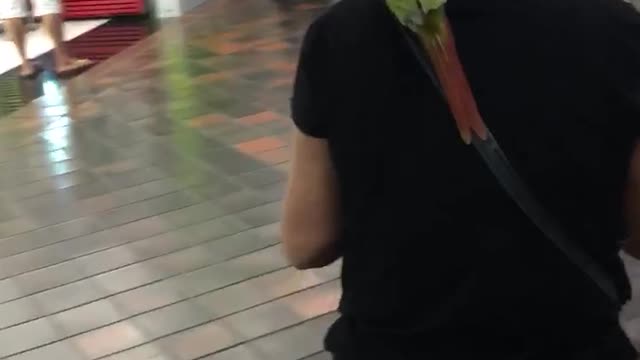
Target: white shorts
x,y
11,9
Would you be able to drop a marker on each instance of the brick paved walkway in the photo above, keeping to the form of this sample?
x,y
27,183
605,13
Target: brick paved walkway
x,y
139,205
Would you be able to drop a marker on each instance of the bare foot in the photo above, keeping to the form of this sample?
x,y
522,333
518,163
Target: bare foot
x,y
27,70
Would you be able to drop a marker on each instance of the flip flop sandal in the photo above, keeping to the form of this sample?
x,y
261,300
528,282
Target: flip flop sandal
x,y
33,74
77,65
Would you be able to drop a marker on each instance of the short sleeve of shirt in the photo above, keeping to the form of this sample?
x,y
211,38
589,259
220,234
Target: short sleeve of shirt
x,y
310,102
623,63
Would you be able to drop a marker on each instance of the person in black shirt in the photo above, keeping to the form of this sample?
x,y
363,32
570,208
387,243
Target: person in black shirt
x,y
438,261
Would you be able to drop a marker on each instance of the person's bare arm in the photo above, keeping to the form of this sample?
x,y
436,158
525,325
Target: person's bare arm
x,y
310,222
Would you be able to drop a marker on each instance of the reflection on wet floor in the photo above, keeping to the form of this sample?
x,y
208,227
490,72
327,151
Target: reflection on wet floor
x,y
98,44
140,200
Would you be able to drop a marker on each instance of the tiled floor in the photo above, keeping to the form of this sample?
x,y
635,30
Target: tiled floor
x,y
94,40
139,202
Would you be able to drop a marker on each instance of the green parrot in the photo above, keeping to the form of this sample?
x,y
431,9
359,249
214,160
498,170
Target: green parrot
x,y
428,19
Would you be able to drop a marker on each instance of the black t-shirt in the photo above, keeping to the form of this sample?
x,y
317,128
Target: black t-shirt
x,y
434,249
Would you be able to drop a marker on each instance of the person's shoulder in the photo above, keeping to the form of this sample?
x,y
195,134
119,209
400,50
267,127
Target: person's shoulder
x,y
353,12
348,20
611,25
624,14
570,13
591,23
605,15
615,9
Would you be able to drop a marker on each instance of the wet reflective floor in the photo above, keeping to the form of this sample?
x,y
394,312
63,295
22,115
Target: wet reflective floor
x,y
98,44
139,201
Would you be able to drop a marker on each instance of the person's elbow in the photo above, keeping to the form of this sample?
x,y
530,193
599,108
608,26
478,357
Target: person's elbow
x,y
306,250
311,211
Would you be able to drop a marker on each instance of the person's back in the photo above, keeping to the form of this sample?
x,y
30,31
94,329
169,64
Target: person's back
x,y
437,259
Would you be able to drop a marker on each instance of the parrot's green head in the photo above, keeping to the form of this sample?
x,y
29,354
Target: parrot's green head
x,y
419,15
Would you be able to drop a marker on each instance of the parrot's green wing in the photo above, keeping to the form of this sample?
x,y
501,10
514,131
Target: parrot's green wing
x,y
407,11
416,14
428,5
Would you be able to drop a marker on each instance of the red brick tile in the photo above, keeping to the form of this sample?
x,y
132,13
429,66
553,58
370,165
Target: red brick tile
x,y
275,157
283,66
206,120
227,48
209,78
229,35
260,118
309,6
117,167
280,82
274,46
110,339
260,145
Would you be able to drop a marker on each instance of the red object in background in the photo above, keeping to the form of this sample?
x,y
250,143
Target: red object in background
x,y
106,41
82,9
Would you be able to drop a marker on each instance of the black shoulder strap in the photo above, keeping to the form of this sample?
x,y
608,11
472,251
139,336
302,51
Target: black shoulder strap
x,y
513,184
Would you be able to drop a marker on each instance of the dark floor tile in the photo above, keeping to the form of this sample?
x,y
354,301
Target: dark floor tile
x,y
194,53
262,177
277,128
262,215
289,344
132,178
225,301
9,290
193,214
46,236
59,350
256,322
32,189
217,228
22,261
144,209
234,136
7,212
232,162
273,192
148,190
320,356
186,109
241,201
43,279
17,226
15,312
20,338
67,296
58,252
87,317
217,189
84,191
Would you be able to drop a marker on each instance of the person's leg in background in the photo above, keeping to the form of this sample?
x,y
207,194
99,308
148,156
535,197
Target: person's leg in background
x,y
13,13
50,12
